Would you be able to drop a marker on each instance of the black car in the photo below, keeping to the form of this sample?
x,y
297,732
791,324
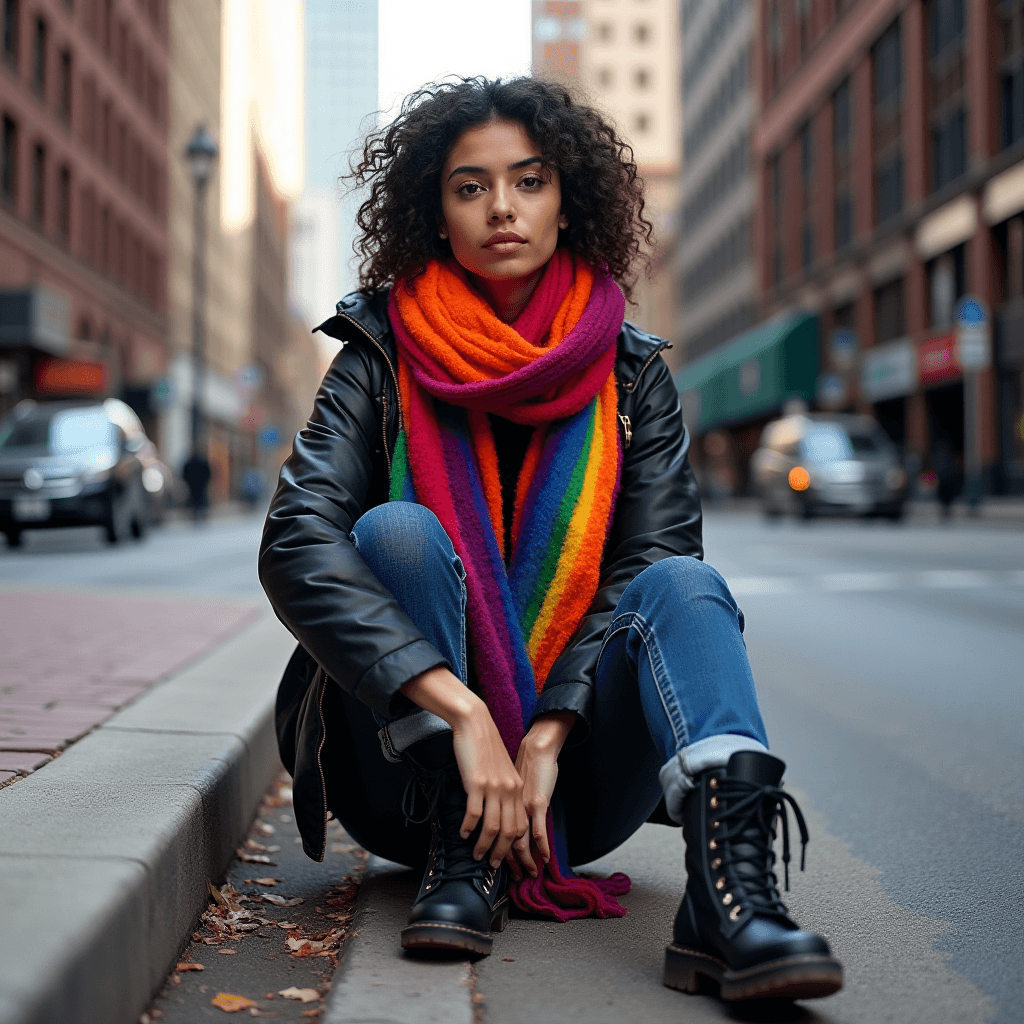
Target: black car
x,y
70,464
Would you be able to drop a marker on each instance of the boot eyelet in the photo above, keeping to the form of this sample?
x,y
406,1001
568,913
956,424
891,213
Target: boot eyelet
x,y
735,912
727,898
714,801
713,845
720,884
715,824
716,863
713,783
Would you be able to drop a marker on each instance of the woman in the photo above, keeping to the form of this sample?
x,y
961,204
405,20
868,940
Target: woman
x,y
487,542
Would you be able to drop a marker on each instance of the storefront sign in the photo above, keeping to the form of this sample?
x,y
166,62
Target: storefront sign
x,y
70,377
888,371
938,360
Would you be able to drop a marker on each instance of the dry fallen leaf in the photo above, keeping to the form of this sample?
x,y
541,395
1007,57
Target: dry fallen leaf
x,y
315,1012
183,966
263,828
264,881
287,925
281,901
307,995
230,1003
227,952
343,848
273,849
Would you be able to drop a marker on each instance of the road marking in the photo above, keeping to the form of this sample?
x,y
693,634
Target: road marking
x,y
877,582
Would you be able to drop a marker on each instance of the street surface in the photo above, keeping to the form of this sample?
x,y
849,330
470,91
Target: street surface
x,y
888,660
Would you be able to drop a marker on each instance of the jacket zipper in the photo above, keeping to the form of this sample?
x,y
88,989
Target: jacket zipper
x,y
384,431
394,375
319,763
627,426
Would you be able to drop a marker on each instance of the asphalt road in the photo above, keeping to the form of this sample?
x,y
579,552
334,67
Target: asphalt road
x,y
889,664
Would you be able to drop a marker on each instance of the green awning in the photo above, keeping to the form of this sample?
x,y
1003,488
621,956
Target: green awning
x,y
753,374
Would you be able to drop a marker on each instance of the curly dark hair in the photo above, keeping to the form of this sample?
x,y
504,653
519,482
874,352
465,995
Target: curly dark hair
x,y
602,194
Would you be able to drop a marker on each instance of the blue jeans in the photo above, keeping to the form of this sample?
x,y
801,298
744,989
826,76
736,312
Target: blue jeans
x,y
676,630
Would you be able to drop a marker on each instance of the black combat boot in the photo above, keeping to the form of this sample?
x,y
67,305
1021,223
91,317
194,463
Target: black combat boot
x,y
732,928
461,900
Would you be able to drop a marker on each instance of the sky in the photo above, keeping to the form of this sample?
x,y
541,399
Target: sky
x,y
420,40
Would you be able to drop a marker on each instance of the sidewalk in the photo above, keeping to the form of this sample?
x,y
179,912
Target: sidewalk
x,y
106,852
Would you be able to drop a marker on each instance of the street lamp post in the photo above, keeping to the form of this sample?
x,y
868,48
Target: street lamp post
x,y
200,153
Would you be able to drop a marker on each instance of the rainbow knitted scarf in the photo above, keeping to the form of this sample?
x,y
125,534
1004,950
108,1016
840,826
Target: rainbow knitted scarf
x,y
554,369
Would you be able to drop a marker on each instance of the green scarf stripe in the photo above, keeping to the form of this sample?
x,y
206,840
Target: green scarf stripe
x,y
562,520
399,468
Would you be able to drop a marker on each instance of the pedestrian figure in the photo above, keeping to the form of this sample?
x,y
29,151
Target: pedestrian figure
x,y
487,541
948,475
196,473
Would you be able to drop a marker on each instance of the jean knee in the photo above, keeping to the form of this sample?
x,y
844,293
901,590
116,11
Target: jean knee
x,y
405,536
680,578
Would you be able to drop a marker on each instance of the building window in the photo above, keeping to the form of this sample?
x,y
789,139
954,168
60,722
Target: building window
x,y
64,203
946,286
642,78
64,86
807,195
39,58
887,62
605,32
108,26
606,78
10,168
106,132
87,232
11,34
947,92
778,245
642,122
642,33
842,163
105,238
1011,71
889,317
39,185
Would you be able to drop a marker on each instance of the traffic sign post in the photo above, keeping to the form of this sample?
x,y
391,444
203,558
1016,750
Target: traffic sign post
x,y
974,353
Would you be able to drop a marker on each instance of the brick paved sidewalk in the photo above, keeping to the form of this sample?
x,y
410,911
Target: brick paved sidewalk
x,y
70,660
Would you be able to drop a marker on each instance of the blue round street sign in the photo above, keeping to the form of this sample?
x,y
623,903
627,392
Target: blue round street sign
x,y
270,437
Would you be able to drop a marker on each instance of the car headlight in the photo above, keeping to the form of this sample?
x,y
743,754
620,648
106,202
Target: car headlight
x,y
895,478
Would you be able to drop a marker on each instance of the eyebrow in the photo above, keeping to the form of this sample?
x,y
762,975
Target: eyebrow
x,y
466,169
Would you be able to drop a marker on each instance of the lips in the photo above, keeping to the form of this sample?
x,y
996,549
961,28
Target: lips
x,y
502,238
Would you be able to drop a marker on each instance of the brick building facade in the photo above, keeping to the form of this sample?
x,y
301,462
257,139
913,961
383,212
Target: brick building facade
x,y
889,155
83,197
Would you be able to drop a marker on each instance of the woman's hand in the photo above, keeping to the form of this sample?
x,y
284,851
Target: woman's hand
x,y
494,790
537,764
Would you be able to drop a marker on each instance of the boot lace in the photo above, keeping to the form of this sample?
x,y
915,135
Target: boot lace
x,y
446,816
747,833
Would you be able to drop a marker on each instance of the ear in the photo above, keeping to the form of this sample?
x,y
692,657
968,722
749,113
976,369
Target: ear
x,y
442,230
563,221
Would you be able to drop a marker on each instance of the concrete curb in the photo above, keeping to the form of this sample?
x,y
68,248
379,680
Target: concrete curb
x,y
105,853
377,983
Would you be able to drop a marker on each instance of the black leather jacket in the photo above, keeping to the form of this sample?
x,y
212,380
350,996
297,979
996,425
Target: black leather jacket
x,y
350,629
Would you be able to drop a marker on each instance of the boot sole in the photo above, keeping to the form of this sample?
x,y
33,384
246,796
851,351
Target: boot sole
x,y
794,977
455,937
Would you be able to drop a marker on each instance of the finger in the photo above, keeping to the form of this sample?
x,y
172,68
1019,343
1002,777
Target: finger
x,y
491,827
513,866
474,808
508,833
522,850
540,835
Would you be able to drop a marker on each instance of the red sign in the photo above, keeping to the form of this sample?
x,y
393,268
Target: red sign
x,y
70,377
937,360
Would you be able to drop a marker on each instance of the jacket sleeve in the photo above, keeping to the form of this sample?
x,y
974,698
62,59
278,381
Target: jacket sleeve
x,y
657,516
318,584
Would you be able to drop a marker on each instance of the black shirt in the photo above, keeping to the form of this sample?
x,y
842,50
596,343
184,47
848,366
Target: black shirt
x,y
511,441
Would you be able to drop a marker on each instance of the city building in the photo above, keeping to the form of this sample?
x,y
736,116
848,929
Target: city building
x,y
624,58
889,153
716,277
340,107
83,199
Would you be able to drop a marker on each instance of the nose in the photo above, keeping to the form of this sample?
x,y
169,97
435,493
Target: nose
x,y
502,204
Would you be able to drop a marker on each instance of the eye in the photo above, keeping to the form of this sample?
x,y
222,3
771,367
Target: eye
x,y
469,188
532,181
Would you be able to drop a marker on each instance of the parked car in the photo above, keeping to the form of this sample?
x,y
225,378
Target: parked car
x,y
817,463
72,464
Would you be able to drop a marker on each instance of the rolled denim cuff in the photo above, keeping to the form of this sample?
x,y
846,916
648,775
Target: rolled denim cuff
x,y
677,775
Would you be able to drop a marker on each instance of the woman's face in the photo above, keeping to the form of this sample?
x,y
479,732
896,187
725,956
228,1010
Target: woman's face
x,y
501,207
